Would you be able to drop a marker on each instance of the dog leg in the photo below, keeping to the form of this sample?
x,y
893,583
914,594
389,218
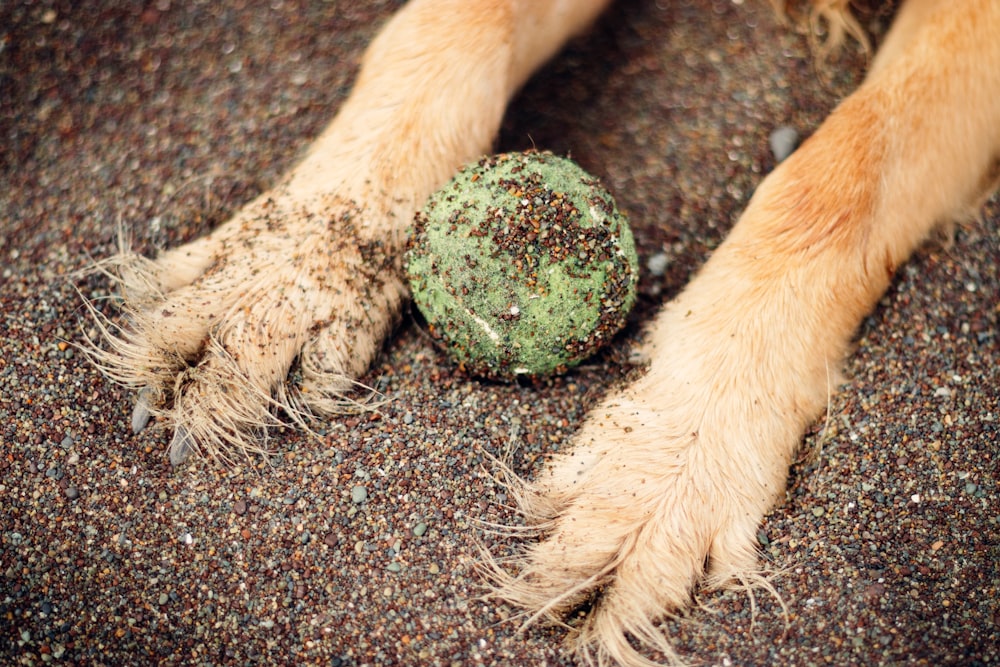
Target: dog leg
x,y
669,479
311,269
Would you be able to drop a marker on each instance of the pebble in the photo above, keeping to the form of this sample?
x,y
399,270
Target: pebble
x,y
783,141
72,492
359,494
657,264
420,529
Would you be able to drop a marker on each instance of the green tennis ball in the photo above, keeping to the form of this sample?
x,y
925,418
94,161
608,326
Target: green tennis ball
x,y
522,265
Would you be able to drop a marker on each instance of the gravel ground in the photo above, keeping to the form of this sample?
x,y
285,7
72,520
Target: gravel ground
x,y
358,548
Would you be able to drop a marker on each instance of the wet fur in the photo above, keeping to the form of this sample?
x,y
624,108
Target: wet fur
x,y
668,479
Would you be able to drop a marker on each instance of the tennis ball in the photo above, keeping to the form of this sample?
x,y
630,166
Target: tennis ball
x,y
522,265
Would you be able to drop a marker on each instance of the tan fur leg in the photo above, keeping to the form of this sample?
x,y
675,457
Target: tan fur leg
x,y
669,479
311,269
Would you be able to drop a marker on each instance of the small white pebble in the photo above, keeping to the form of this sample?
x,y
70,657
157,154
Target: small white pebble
x,y
657,264
783,141
359,494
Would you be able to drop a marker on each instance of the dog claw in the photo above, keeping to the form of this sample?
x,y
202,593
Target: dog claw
x,y
141,412
180,446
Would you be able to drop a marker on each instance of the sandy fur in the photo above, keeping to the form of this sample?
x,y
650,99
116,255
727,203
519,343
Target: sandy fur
x,y
667,481
309,273
827,23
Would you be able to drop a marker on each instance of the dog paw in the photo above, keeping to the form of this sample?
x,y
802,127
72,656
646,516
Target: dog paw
x,y
211,329
666,484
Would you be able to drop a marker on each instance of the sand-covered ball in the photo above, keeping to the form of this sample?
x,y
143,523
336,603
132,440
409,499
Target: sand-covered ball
x,y
522,265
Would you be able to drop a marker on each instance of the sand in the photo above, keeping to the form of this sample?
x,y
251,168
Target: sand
x,y
359,547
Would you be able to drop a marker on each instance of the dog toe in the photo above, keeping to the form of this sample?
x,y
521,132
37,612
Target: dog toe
x,y
211,330
655,498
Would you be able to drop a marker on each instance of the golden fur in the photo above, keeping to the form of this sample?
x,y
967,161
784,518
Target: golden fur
x,y
668,479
